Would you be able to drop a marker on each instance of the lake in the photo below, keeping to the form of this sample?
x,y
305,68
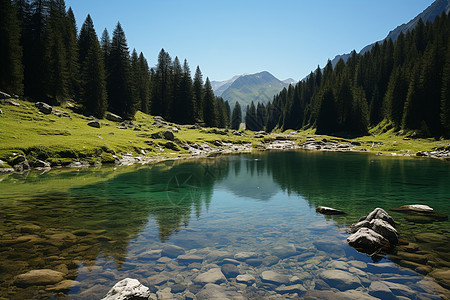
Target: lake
x,y
174,225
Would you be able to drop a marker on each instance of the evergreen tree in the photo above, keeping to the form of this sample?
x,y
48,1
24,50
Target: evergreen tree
x,y
236,116
210,106
161,95
11,68
251,120
445,95
326,118
93,94
187,104
135,79
360,112
119,84
198,94
261,116
144,84
56,74
71,46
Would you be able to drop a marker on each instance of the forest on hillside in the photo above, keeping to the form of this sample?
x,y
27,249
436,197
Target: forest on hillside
x,y
43,57
403,85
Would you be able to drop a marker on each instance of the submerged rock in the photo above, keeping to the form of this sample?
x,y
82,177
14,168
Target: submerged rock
x,y
172,251
39,277
214,275
414,207
128,289
274,278
329,211
340,279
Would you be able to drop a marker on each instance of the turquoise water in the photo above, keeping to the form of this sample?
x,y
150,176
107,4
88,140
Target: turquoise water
x,y
97,226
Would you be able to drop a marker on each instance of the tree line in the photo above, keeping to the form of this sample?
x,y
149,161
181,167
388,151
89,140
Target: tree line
x,y
44,58
405,84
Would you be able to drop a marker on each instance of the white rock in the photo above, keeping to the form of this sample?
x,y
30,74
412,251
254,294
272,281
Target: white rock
x,y
126,289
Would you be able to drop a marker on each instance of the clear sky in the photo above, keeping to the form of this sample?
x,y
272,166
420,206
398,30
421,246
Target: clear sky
x,y
288,38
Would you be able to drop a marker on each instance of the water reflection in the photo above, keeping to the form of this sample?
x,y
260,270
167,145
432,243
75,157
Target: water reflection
x,y
66,220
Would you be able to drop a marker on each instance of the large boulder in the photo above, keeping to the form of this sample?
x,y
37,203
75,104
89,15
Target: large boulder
x,y
44,108
379,213
386,230
39,277
128,289
329,211
113,117
168,135
367,241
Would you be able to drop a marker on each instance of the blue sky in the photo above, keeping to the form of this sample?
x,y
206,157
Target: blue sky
x,y
288,38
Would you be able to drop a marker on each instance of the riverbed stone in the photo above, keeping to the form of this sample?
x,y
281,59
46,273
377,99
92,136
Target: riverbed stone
x,y
150,255
246,279
157,279
217,255
128,288
172,251
29,228
400,289
340,279
284,251
274,278
214,275
39,277
231,261
290,289
230,270
380,290
217,292
189,258
442,276
430,237
63,286
270,260
254,262
242,256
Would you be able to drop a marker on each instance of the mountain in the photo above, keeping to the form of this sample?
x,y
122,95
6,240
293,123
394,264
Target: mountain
x,y
220,86
259,87
428,15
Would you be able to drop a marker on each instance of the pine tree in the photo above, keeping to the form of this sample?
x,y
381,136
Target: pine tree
x,y
360,112
119,84
326,122
11,68
56,74
144,84
71,45
135,78
93,94
251,120
198,94
210,106
261,116
187,103
105,45
236,116
445,95
161,95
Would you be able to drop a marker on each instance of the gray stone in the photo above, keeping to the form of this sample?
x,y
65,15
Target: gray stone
x,y
4,95
246,279
358,225
164,294
340,279
231,261
217,292
178,288
1,112
39,277
380,290
270,260
94,123
214,275
385,229
368,241
128,289
254,262
158,279
113,117
379,213
22,167
242,256
400,289
274,278
329,210
414,207
168,135
13,103
44,108
150,255
217,255
290,289
172,251
284,251
189,258
230,270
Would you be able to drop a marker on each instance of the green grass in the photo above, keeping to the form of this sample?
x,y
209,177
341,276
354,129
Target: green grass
x,y
62,140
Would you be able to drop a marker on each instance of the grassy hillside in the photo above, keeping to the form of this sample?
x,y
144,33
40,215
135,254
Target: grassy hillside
x,y
66,139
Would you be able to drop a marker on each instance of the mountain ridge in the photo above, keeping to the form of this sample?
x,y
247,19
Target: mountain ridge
x,y
427,15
